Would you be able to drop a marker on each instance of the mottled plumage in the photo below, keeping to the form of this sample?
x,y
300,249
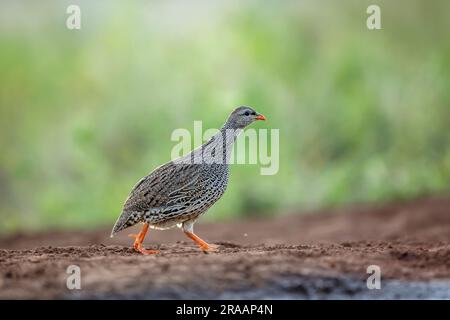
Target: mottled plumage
x,y
178,192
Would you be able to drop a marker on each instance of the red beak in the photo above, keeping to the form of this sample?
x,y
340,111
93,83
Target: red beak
x,y
260,117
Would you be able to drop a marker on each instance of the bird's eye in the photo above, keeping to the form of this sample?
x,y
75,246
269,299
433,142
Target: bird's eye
x,y
247,113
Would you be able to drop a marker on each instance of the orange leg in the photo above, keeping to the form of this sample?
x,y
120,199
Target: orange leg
x,y
201,243
139,238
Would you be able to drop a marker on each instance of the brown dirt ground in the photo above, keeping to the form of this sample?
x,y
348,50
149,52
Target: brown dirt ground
x,y
409,241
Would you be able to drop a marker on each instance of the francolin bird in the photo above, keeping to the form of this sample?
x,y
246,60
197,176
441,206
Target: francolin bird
x,y
178,192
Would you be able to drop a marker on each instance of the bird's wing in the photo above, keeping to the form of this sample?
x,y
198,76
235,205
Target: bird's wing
x,y
161,195
164,190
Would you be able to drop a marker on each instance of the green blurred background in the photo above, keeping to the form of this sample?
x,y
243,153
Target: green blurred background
x,y
364,116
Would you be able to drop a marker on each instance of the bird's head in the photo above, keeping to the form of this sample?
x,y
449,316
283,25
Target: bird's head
x,y
243,116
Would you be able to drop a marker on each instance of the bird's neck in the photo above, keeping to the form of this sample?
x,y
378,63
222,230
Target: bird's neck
x,y
218,149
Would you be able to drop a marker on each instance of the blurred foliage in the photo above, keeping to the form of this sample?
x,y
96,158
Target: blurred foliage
x,y
363,115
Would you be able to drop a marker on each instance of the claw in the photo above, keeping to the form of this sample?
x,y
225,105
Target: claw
x,y
206,247
145,251
209,248
138,239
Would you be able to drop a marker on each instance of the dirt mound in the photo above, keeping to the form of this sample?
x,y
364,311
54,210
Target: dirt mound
x,y
325,254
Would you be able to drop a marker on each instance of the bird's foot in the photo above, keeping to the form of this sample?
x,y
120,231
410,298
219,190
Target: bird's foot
x,y
209,247
206,247
139,248
138,245
146,252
